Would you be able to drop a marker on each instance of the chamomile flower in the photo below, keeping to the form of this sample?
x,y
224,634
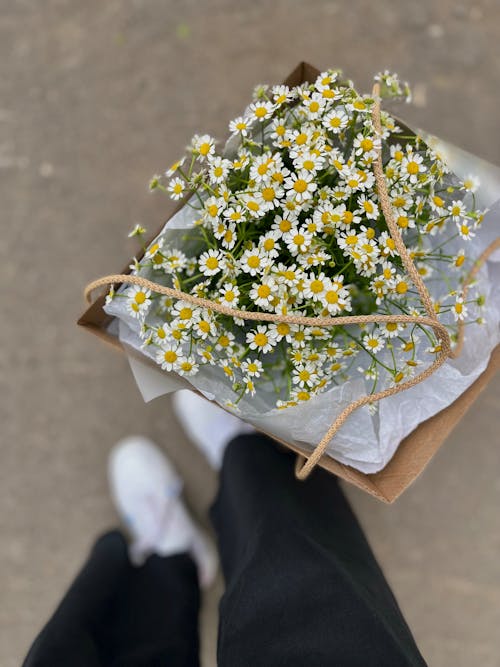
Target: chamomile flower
x,y
186,312
366,146
154,248
187,366
314,105
253,261
254,204
459,308
218,169
373,342
300,186
412,167
269,244
229,294
211,262
175,167
271,194
234,213
457,210
471,183
138,301
309,161
261,110
174,260
168,357
264,293
336,120
304,375
203,146
367,207
465,231
297,240
391,329
239,125
176,188
252,368
262,339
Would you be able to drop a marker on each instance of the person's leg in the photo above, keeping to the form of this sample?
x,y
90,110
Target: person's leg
x,y
302,585
70,636
143,613
117,614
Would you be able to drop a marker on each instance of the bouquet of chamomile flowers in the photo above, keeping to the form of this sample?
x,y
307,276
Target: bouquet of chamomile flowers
x,y
285,219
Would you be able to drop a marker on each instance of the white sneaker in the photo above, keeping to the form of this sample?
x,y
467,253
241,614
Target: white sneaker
x,y
146,489
208,426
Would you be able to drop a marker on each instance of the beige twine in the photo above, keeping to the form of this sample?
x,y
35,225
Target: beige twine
x,y
305,465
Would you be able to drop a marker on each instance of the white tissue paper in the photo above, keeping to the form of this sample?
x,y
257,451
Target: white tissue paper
x,y
366,442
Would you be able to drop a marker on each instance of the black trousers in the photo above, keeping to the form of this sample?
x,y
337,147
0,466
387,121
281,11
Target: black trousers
x,y
303,588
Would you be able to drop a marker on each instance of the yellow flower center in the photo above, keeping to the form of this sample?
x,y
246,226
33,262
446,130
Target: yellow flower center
x,y
283,328
253,261
403,221
212,263
268,194
185,313
391,326
298,239
301,139
204,326
300,185
304,375
205,148
218,171
314,106
412,167
332,297
212,210
229,296
170,356
186,366
402,287
260,339
262,168
223,340
260,112
366,144
140,297
263,291
285,225
316,286
253,205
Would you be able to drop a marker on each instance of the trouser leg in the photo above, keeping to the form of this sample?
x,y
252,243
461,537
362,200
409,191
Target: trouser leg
x,y
117,614
302,585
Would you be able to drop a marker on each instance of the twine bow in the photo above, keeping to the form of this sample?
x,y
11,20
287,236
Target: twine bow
x,y
305,465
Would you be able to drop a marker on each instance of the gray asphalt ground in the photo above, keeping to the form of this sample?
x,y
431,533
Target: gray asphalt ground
x,y
94,98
